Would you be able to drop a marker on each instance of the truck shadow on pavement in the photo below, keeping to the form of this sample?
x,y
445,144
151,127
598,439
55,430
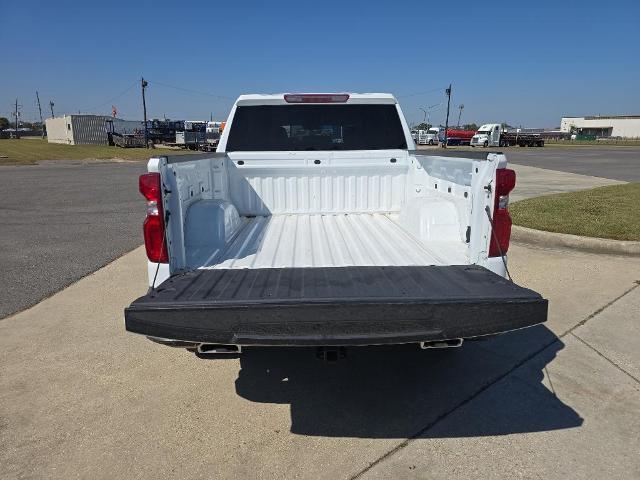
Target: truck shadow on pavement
x,y
402,391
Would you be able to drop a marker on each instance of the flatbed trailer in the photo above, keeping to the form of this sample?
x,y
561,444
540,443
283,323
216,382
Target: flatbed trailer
x,y
521,140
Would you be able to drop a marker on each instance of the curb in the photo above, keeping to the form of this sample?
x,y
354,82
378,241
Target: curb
x,y
564,240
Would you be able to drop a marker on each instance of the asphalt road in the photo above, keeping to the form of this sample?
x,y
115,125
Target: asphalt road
x,y
617,163
61,221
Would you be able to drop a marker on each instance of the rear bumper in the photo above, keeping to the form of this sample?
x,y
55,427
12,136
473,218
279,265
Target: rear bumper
x,y
311,325
369,306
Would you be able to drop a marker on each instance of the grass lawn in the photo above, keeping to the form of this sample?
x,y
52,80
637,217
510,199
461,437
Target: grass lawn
x,y
28,151
604,212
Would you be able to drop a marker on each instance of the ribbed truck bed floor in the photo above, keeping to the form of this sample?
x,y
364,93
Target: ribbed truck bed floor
x,y
335,240
334,305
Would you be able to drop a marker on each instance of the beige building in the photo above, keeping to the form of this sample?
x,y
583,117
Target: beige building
x,y
624,126
88,129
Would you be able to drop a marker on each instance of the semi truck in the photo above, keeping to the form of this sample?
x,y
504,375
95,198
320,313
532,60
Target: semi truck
x,y
317,224
427,137
494,135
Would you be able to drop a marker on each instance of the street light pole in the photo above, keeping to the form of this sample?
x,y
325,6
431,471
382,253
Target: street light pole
x,y
429,112
461,107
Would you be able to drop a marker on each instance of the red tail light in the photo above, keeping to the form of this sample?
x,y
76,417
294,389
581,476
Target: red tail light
x,y
153,227
316,97
505,182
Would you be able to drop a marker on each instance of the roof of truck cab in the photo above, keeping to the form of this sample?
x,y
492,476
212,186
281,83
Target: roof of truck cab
x,y
278,98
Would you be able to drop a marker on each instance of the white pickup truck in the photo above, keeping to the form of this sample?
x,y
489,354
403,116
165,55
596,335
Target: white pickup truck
x,y
316,224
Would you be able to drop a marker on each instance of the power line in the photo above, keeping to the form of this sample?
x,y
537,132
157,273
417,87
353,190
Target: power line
x,y
188,90
420,93
112,99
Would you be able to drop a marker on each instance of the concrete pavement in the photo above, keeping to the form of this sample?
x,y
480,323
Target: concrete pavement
x,y
596,402
79,397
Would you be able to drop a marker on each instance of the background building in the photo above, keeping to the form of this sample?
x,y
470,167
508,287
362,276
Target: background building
x,y
624,126
89,129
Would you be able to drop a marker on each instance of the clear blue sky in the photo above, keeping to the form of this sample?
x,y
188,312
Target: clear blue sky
x,y
527,63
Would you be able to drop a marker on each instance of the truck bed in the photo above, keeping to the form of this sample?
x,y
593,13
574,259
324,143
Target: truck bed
x,y
334,305
292,241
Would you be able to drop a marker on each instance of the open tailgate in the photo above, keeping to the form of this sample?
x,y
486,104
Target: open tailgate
x,y
334,306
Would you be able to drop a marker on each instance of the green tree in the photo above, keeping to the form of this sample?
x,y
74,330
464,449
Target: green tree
x,y
422,126
4,123
470,126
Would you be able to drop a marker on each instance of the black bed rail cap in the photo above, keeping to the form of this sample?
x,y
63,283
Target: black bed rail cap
x,y
190,157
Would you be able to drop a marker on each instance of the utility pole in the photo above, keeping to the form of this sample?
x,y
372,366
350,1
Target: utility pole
x,y
424,117
40,110
143,84
446,125
461,107
51,104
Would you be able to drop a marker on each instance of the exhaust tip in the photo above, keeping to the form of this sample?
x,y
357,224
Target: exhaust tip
x,y
216,349
451,343
169,342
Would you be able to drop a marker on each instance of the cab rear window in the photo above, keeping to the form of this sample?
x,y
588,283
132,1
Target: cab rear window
x,y
315,127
